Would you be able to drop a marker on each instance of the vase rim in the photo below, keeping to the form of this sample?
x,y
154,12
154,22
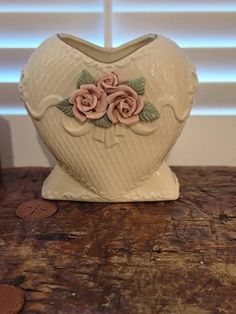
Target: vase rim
x,y
104,54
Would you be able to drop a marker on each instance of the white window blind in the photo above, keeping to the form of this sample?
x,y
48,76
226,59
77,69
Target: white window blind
x,y
25,24
204,29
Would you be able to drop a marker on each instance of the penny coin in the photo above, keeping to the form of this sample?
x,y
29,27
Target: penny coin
x,y
36,209
11,299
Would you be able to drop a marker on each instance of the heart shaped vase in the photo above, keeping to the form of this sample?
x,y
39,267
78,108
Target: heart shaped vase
x,y
109,116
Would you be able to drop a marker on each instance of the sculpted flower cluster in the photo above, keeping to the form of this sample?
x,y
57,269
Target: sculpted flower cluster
x,y
108,96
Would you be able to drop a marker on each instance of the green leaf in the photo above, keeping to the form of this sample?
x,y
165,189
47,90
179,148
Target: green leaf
x,y
103,122
138,85
149,113
85,78
66,107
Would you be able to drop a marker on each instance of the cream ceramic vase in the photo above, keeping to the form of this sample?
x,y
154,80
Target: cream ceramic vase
x,y
109,116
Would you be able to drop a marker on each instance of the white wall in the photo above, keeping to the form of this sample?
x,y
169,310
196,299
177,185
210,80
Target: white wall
x,y
204,141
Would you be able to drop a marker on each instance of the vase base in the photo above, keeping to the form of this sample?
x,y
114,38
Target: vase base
x,y
163,185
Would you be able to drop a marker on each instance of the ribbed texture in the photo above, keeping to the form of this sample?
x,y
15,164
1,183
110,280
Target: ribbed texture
x,y
109,172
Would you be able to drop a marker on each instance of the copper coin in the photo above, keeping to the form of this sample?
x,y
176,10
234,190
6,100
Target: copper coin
x,y
36,209
11,299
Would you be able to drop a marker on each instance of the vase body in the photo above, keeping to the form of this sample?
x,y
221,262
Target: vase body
x,y
122,162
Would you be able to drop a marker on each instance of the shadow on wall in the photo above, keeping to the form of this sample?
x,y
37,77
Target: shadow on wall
x,y
51,160
10,135
6,150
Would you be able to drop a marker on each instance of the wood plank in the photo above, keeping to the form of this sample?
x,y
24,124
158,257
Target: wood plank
x,y
166,257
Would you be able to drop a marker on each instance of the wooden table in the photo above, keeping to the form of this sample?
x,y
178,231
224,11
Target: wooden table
x,y
166,257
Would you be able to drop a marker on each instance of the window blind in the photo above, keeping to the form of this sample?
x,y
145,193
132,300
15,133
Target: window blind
x,y
25,24
206,31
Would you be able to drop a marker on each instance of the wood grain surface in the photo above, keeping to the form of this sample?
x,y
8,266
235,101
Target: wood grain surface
x,y
157,257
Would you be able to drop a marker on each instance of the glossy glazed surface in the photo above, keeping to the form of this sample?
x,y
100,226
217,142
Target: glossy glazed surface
x,y
109,163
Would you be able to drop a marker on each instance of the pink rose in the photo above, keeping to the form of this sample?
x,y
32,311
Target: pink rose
x,y
108,82
124,105
88,102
